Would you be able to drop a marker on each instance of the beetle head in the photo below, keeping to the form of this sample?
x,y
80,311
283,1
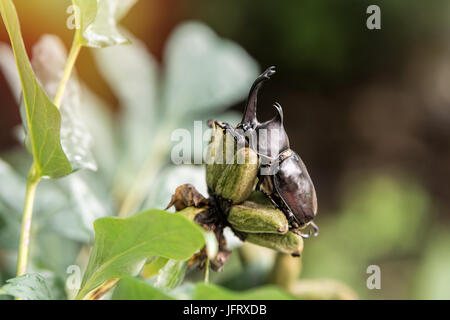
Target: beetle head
x,y
271,138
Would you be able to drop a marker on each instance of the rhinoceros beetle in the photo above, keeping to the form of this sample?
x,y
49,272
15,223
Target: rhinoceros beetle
x,y
283,177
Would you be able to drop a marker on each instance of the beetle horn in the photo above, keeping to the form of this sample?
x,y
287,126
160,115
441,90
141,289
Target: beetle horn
x,y
279,140
277,121
279,117
249,119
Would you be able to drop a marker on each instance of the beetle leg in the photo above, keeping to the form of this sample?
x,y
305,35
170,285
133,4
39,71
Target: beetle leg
x,y
290,217
239,138
288,213
275,204
268,158
310,233
304,236
259,183
268,164
292,220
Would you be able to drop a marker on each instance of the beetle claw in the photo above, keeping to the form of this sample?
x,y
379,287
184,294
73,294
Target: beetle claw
x,y
316,229
314,232
305,236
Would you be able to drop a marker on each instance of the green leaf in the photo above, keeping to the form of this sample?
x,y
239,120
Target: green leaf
x,y
212,246
153,266
49,60
171,275
28,287
43,117
122,246
130,288
213,292
97,21
204,72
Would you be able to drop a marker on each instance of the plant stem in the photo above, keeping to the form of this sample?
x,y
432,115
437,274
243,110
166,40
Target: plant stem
x,y
100,291
206,276
71,59
33,178
22,258
286,270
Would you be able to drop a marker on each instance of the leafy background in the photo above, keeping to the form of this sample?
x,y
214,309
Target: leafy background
x,y
368,111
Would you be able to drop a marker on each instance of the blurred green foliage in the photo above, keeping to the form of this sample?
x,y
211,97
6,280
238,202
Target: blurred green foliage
x,y
383,218
323,41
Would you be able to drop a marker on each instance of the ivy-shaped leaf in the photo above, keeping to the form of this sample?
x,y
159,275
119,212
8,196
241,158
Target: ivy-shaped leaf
x,y
122,246
43,119
171,275
30,286
97,21
49,60
153,266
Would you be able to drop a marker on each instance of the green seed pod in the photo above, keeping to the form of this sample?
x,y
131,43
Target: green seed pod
x,y
237,180
215,159
260,198
252,217
286,243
